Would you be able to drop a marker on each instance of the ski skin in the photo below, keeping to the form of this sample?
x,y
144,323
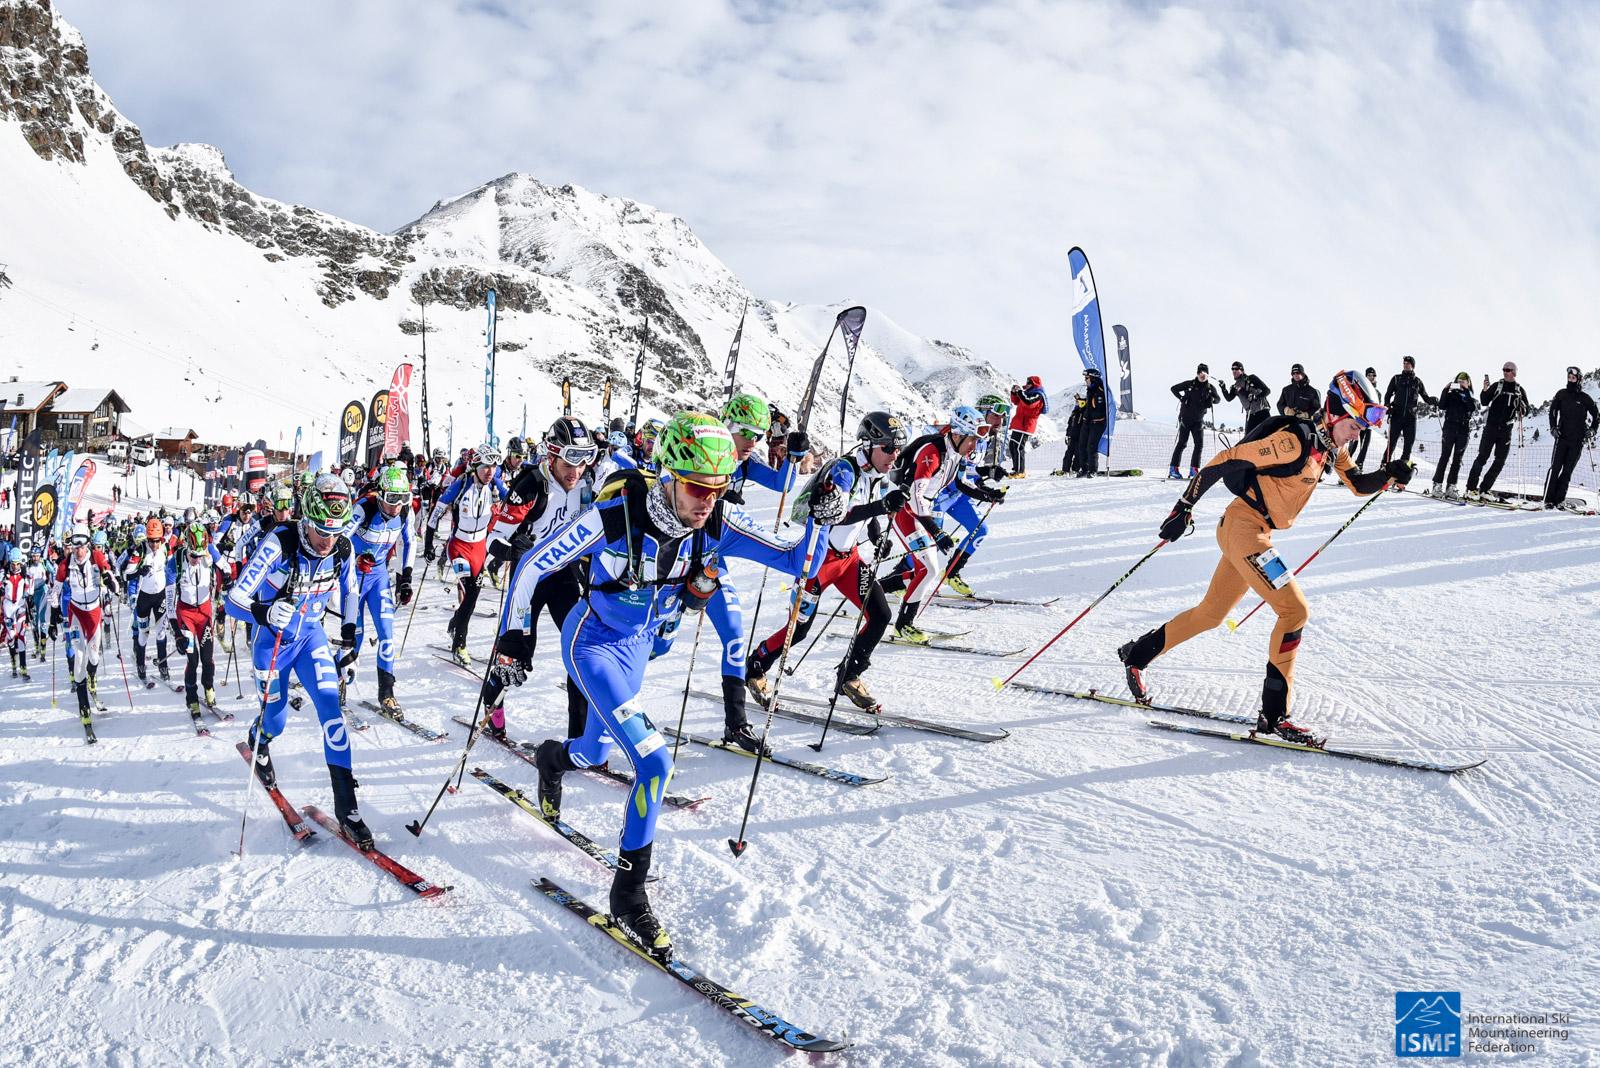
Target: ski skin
x,y
1348,754
741,1008
848,778
784,712
524,754
583,842
1128,702
409,724
894,720
402,874
297,826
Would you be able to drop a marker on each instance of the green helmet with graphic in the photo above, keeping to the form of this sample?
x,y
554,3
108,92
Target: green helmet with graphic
x,y
196,538
281,495
747,412
695,443
394,485
994,404
325,506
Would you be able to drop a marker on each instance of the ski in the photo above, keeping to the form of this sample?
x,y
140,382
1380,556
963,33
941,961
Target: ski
x,y
222,716
523,751
1348,754
783,711
947,647
200,728
1128,702
603,857
298,827
943,595
848,778
740,1007
411,725
1442,499
402,874
880,717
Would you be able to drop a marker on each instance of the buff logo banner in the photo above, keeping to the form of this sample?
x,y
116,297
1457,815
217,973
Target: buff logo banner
x,y
397,424
377,415
1125,365
851,322
1088,335
44,513
733,356
488,374
350,424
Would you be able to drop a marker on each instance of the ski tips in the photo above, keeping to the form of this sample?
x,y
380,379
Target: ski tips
x,y
737,846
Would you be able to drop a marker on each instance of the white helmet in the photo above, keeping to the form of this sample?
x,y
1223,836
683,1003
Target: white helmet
x,y
487,455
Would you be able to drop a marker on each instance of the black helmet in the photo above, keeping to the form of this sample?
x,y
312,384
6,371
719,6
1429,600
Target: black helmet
x,y
569,439
882,429
514,447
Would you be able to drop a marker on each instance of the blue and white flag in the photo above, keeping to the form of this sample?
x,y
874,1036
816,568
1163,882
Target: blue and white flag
x,y
488,377
1088,336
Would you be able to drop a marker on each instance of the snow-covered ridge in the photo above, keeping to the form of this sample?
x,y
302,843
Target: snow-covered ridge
x,y
126,257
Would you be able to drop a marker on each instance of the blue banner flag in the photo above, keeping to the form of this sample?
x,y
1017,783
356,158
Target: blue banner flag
x,y
1088,336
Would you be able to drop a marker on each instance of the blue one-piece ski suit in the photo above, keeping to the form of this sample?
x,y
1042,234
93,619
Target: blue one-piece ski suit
x,y
311,581
378,541
607,639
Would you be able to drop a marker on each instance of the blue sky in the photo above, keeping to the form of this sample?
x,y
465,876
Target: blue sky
x,y
1334,184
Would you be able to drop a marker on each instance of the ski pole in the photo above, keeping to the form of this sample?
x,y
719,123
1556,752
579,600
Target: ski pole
x,y
1232,626
52,673
838,678
948,564
677,739
1001,684
460,770
738,844
116,628
260,728
416,599
807,651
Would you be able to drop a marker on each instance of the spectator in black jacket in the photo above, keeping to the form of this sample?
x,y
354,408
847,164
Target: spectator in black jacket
x,y
1094,423
1366,433
1457,402
1300,397
1069,458
1401,398
1196,396
1504,402
1573,418
1252,394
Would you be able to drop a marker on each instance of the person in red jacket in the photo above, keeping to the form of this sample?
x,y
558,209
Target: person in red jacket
x,y
1028,403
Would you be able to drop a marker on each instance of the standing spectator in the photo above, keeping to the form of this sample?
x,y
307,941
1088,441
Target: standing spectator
x,y
1028,403
1457,402
1573,418
1069,459
1094,424
1366,431
1196,397
1252,394
1401,398
1504,402
1300,397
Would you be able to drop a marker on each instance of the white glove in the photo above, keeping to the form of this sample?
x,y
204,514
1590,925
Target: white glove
x,y
280,614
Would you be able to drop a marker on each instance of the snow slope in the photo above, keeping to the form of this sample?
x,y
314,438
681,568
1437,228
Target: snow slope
x,y
1087,892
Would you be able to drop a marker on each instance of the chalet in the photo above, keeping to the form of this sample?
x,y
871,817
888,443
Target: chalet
x,y
26,402
176,443
83,418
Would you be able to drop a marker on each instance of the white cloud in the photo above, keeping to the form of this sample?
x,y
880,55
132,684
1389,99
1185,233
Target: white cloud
x,y
1338,184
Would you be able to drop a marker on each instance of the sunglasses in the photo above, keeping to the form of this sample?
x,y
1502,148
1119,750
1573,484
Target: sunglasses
x,y
701,491
1508,370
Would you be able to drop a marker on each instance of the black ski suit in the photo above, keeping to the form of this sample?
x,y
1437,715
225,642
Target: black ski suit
x,y
1456,405
1094,427
1195,398
1253,395
1573,418
1503,404
1401,398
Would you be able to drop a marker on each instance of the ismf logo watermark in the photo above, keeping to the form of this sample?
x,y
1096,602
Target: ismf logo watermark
x,y
1427,1023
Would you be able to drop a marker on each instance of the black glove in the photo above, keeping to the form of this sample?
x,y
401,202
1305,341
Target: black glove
x,y
144,570
895,500
1400,470
988,494
403,590
508,671
1178,522
945,542
427,547
733,496
828,504
798,444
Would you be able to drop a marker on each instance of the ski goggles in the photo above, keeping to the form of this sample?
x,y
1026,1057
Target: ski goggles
x,y
745,430
1370,416
701,491
78,541
576,455
395,498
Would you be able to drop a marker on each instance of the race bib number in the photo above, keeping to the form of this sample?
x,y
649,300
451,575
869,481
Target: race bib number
x,y
1272,568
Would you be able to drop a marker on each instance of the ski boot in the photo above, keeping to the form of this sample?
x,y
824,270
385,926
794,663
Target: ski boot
x,y
1289,732
194,712
1194,472
1174,474
630,907
161,669
1451,493
755,680
494,730
1136,656
908,632
264,769
743,737
460,655
13,665
211,698
344,807
858,694
386,699
959,585
553,762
